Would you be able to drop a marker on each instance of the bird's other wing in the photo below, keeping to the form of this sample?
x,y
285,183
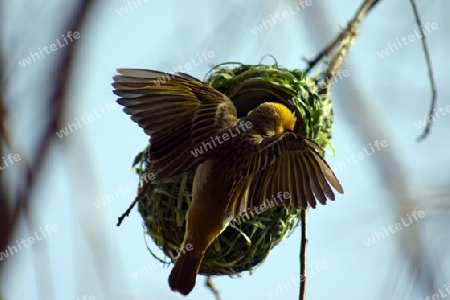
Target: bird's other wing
x,y
284,165
177,111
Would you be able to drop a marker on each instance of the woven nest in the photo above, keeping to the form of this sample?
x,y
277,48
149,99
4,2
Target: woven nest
x,y
241,247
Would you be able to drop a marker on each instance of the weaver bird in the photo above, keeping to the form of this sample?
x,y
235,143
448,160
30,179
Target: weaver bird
x,y
241,162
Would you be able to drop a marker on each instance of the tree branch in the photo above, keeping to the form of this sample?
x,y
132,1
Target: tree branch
x,y
426,131
304,242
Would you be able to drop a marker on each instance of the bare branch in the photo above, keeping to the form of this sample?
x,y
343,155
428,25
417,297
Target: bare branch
x,y
426,131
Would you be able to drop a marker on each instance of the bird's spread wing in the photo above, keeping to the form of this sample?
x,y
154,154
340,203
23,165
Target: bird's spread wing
x,y
284,170
177,111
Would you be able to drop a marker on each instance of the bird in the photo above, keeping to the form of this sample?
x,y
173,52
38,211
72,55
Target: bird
x,y
241,163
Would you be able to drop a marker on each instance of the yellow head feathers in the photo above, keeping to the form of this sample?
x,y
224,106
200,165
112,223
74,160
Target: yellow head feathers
x,y
272,117
288,118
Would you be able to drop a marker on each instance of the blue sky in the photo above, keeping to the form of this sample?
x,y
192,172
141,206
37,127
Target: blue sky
x,y
96,158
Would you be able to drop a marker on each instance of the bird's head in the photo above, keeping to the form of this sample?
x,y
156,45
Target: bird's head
x,y
272,117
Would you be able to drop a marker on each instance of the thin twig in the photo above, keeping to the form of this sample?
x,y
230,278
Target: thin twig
x,y
325,51
142,191
430,73
304,242
363,10
347,37
210,285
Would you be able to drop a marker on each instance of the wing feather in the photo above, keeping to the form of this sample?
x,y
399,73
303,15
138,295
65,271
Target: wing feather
x,y
299,170
177,111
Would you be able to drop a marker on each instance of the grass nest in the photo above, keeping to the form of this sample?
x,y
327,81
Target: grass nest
x,y
240,247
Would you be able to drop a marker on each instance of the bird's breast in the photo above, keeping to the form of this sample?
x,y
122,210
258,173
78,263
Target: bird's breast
x,y
211,185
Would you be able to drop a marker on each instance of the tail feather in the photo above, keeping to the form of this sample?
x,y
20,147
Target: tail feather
x,y
183,275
